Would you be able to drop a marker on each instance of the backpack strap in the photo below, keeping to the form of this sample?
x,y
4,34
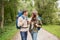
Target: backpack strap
x,y
23,17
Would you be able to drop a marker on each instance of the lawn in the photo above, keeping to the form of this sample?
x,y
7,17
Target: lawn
x,y
8,32
54,29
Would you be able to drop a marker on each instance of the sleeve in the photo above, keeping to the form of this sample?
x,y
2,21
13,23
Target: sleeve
x,y
20,21
40,22
29,19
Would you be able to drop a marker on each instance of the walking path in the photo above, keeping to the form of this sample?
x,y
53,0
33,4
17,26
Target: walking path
x,y
42,35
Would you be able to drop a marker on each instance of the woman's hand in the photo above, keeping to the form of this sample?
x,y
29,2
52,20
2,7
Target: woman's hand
x,y
37,25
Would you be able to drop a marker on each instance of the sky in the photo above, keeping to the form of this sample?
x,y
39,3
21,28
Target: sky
x,y
58,3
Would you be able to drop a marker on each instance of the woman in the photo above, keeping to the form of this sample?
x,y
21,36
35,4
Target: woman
x,y
35,25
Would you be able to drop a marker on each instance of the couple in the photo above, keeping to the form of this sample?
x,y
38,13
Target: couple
x,y
34,22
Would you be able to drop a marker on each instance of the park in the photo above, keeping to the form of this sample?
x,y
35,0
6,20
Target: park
x,y
48,10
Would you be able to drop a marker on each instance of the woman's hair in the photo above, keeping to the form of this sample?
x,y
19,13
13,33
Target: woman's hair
x,y
34,16
34,13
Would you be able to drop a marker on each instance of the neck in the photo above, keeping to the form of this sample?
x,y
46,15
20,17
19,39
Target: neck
x,y
25,15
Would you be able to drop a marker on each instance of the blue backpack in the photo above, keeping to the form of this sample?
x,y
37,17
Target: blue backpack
x,y
19,14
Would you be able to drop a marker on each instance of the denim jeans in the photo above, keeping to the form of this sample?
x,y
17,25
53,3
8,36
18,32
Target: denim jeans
x,y
23,35
34,35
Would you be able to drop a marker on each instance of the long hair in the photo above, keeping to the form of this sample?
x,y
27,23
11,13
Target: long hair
x,y
34,17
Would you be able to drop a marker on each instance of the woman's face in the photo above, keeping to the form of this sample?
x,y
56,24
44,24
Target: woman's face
x,y
34,15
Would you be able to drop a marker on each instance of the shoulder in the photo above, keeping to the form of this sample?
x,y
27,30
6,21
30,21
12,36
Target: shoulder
x,y
20,18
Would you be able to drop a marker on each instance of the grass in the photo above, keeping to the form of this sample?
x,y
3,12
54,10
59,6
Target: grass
x,y
54,29
8,32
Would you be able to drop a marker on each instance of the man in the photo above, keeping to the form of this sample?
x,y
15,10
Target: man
x,y
22,22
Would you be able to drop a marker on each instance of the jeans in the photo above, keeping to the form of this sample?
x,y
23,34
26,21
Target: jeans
x,y
23,35
34,35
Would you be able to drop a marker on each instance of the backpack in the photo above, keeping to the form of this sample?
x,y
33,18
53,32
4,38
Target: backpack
x,y
39,18
19,14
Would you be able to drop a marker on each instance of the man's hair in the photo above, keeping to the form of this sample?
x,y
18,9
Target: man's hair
x,y
24,11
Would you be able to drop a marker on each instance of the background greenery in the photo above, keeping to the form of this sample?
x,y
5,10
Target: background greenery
x,y
54,29
9,9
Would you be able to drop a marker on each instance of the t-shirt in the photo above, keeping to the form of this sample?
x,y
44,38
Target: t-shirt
x,y
23,23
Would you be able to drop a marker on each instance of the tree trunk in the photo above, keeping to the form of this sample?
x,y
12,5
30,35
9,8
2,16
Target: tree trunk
x,y
2,12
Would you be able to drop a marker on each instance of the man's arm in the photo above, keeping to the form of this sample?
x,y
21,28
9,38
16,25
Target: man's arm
x,y
20,21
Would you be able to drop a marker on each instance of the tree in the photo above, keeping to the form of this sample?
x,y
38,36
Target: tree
x,y
8,10
26,4
2,12
46,9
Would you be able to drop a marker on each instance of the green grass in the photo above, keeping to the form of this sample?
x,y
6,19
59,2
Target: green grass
x,y
8,32
54,29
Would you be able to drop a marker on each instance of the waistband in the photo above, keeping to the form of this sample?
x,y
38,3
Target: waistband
x,y
24,27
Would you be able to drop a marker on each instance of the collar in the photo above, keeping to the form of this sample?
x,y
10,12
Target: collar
x,y
24,16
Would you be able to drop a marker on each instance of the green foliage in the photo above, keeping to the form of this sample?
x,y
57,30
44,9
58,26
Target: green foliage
x,y
0,18
54,29
46,9
57,22
26,5
10,10
8,32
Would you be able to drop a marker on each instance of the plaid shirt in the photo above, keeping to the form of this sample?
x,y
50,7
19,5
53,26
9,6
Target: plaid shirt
x,y
33,26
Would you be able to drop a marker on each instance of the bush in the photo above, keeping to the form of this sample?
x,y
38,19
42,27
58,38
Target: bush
x,y
8,30
58,22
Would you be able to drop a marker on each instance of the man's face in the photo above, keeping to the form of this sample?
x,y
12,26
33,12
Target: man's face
x,y
26,13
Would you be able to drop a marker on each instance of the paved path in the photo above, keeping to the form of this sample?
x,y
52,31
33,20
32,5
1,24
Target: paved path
x,y
42,35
